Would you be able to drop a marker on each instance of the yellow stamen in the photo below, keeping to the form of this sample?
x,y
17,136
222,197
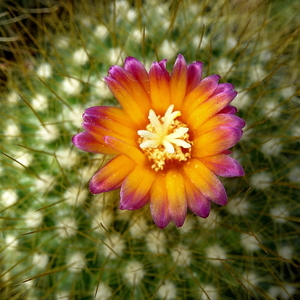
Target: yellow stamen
x,y
165,138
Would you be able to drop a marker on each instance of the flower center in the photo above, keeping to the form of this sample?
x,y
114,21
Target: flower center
x,y
165,139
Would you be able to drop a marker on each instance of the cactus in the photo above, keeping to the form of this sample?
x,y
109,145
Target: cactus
x,y
58,241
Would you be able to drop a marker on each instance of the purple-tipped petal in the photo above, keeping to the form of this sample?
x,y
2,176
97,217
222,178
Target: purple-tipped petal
x,y
216,141
205,181
223,87
194,75
130,103
223,165
101,126
159,205
134,191
217,121
130,83
159,88
200,94
229,109
113,113
87,142
209,108
137,69
99,132
120,74
178,81
176,196
163,65
132,86
179,64
197,202
111,176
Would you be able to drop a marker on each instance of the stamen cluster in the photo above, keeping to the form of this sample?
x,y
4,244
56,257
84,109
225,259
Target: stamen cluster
x,y
165,139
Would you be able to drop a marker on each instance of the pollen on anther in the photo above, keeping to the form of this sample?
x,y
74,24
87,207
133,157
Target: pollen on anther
x,y
165,138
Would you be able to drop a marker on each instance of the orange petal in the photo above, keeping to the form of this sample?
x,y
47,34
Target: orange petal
x,y
204,180
210,107
223,165
194,74
111,176
130,104
133,86
216,121
137,69
178,81
200,94
176,197
100,121
130,151
100,127
159,205
135,188
87,142
216,141
197,202
113,113
159,88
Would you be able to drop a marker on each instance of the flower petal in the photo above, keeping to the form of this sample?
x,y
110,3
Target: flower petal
x,y
98,132
223,87
223,165
137,69
159,205
87,142
113,113
105,125
218,121
229,109
134,191
111,176
178,81
194,75
206,181
210,107
159,88
130,151
200,94
100,121
132,85
130,104
197,202
176,197
216,141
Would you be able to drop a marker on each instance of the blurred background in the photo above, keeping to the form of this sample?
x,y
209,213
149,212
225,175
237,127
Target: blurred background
x,y
57,240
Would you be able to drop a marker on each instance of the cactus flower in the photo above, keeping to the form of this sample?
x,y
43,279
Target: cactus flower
x,y
170,139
